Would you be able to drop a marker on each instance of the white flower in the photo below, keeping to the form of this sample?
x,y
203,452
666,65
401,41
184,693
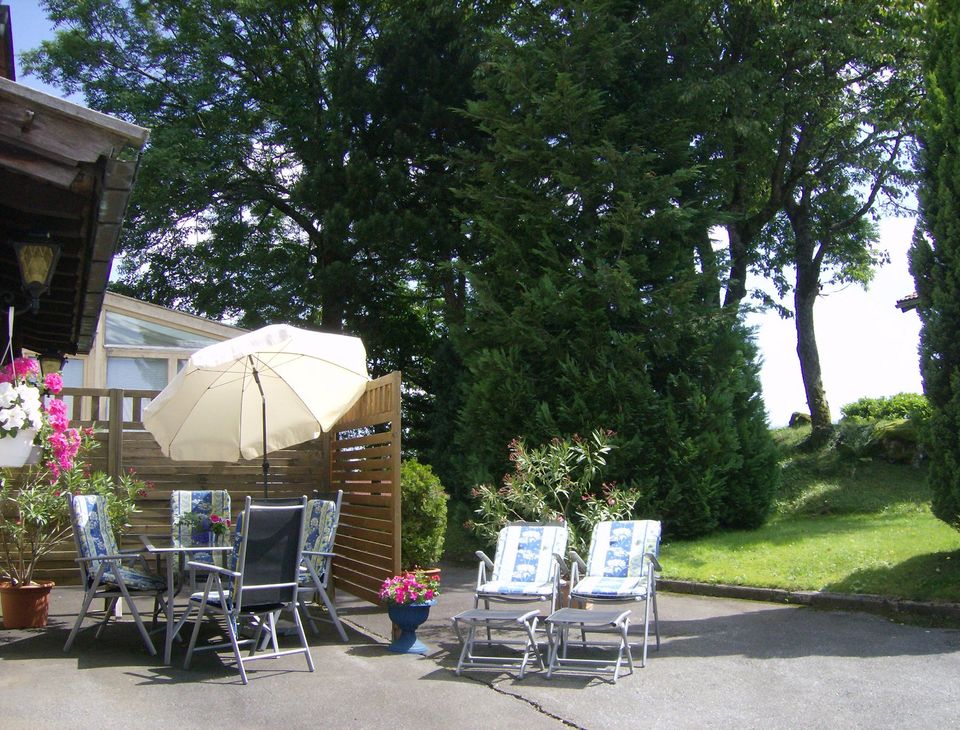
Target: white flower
x,y
12,417
8,395
20,406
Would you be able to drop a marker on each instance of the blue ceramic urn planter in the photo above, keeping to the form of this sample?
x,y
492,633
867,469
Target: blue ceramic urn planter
x,y
408,619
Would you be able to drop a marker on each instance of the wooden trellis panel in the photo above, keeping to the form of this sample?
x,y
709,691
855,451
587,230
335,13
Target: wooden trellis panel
x,y
365,463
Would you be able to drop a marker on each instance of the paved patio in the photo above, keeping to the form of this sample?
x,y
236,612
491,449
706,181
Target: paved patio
x,y
723,663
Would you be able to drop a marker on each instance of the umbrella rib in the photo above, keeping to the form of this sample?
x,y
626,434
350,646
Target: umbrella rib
x,y
196,404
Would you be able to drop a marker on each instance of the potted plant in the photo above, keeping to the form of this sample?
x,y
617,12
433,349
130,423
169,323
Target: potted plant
x,y
34,516
211,529
423,507
408,597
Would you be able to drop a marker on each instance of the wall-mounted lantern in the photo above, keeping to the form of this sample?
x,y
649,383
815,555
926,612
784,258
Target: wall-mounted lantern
x,y
37,257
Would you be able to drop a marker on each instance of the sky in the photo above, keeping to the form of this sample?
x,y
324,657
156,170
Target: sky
x,y
868,347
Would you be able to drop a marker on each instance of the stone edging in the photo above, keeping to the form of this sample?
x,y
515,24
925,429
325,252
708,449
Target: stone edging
x,y
883,605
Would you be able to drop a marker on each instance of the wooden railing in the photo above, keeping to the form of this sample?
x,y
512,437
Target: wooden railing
x,y
361,456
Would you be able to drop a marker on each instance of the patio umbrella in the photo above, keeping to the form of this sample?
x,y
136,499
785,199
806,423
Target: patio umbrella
x,y
262,391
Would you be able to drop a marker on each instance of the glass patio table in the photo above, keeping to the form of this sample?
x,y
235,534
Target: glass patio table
x,y
176,556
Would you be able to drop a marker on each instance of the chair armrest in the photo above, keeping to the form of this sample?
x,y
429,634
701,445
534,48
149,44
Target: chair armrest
x,y
564,568
118,556
580,562
208,567
483,557
321,553
653,560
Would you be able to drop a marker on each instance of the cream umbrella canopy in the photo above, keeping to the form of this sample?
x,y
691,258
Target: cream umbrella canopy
x,y
262,391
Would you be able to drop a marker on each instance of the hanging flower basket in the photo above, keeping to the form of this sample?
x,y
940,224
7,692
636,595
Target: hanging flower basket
x,y
16,451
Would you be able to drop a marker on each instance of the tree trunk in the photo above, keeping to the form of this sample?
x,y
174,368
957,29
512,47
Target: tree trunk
x,y
805,296
737,283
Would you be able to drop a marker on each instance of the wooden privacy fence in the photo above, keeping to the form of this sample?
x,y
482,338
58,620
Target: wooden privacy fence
x,y
361,456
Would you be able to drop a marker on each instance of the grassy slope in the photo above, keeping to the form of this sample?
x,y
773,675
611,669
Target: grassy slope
x,y
853,526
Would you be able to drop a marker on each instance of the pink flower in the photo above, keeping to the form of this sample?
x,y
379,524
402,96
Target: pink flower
x,y
53,382
141,492
214,518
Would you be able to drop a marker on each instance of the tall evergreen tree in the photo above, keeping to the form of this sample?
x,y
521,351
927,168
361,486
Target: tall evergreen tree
x,y
935,256
589,309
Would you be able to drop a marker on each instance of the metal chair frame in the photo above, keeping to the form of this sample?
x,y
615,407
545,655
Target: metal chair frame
x,y
231,595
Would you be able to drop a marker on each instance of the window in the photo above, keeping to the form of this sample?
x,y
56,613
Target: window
x,y
125,331
72,374
136,373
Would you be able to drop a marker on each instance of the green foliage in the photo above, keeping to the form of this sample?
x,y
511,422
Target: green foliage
x,y
935,257
295,170
35,517
461,543
592,305
558,481
914,406
423,507
840,524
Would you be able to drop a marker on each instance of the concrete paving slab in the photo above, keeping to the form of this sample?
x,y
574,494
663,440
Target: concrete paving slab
x,y
723,663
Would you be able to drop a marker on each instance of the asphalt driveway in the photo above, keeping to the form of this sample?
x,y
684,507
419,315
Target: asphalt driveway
x,y
723,663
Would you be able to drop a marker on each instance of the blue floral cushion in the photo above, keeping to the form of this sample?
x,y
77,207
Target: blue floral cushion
x,y
213,598
617,565
321,532
93,529
95,537
524,562
140,580
202,502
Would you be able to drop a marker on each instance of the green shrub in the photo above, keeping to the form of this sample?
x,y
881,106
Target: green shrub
x,y
888,408
461,544
423,507
893,440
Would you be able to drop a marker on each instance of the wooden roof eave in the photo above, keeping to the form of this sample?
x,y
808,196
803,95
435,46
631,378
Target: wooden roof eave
x,y
72,169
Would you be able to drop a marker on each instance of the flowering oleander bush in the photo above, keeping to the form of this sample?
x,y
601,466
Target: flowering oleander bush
x,y
556,482
34,516
409,588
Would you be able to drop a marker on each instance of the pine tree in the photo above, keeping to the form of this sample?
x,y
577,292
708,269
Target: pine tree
x,y
589,310
935,257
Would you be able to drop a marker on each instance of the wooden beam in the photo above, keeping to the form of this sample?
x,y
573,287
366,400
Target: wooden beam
x,y
39,169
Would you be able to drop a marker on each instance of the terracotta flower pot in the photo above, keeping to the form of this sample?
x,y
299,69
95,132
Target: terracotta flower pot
x,y
25,607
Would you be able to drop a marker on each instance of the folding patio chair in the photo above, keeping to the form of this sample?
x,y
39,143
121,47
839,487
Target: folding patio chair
x,y
323,516
102,568
201,504
622,567
526,565
264,583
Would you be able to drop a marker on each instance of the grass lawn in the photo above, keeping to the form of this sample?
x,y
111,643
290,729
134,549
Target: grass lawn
x,y
846,525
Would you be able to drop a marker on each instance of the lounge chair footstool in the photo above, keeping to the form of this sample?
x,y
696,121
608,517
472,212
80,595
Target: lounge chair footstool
x,y
505,622
558,626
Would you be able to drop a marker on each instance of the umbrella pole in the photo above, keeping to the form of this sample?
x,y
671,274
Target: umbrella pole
x,y
263,411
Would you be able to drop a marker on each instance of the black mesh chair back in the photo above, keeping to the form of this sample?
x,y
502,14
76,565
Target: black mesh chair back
x,y
270,549
263,582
